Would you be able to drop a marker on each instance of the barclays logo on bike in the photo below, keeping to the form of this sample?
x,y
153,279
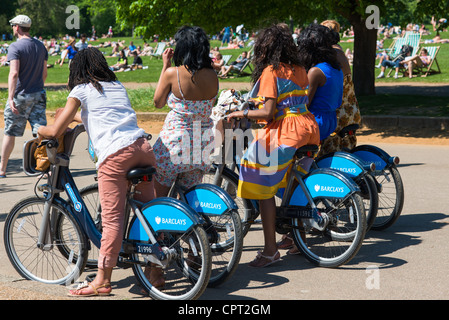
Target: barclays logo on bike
x,y
171,221
332,189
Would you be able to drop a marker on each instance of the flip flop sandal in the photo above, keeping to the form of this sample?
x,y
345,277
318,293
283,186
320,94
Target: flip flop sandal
x,y
78,292
270,260
285,243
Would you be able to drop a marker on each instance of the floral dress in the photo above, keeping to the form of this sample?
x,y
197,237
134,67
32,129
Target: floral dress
x,y
182,146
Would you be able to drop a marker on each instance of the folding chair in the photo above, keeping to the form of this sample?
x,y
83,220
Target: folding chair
x,y
432,52
413,40
226,59
159,50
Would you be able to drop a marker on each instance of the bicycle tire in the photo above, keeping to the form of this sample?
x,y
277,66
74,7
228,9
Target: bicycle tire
x,y
229,184
185,277
91,198
391,198
370,199
227,248
341,239
55,265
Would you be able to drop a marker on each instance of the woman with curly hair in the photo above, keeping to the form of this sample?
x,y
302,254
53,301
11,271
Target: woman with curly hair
x,y
280,88
325,76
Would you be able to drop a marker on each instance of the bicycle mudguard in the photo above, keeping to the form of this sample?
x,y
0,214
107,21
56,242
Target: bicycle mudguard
x,y
342,161
165,215
372,154
324,183
210,199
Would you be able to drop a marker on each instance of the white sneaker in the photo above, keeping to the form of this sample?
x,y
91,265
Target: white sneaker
x,y
378,66
396,76
381,76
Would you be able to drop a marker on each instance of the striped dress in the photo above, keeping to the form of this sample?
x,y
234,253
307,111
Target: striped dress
x,y
264,165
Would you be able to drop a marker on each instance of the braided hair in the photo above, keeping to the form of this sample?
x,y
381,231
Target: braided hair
x,y
274,45
90,66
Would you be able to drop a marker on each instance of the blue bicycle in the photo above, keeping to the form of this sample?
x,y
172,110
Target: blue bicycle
x,y
47,238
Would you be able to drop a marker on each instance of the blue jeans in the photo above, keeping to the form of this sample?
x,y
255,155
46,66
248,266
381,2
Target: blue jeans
x,y
391,64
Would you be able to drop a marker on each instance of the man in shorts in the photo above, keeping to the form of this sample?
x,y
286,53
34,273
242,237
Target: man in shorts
x,y
27,100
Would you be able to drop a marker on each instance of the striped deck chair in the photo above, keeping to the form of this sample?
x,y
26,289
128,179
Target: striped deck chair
x,y
432,52
226,58
413,40
159,50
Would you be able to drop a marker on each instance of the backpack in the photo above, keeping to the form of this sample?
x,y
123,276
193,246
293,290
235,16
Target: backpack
x,y
405,50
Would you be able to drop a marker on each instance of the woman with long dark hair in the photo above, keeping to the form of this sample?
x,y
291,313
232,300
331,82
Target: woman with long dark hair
x,y
349,112
119,144
325,76
280,88
189,89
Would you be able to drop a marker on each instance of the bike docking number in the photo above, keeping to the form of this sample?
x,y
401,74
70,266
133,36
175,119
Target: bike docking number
x,y
226,309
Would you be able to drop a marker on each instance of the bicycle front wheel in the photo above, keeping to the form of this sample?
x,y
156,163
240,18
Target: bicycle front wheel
x,y
188,271
226,246
340,241
64,257
229,181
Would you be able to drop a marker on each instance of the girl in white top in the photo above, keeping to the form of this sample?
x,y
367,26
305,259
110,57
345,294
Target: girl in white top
x,y
111,124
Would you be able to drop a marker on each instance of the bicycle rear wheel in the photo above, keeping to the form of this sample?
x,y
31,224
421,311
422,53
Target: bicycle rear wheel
x,y
391,198
60,262
370,197
340,241
188,272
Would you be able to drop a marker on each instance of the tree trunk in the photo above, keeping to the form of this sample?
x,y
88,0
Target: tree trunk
x,y
364,58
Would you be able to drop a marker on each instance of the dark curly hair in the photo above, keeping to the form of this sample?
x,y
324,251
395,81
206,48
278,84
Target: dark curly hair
x,y
192,49
89,66
315,46
274,45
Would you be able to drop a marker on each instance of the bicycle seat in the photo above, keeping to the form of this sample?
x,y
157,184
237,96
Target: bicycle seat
x,y
307,151
144,174
348,130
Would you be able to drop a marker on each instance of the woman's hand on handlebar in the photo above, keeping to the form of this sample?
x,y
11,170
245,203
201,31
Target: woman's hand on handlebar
x,y
235,114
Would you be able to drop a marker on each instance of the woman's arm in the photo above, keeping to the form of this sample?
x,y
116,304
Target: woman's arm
x,y
316,79
164,85
65,117
266,113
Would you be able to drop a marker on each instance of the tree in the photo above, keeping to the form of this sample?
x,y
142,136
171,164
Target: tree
x,y
163,17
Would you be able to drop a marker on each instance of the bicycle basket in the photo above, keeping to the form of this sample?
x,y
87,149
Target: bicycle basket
x,y
28,161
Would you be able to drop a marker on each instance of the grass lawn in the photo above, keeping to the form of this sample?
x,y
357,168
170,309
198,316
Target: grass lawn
x,y
142,99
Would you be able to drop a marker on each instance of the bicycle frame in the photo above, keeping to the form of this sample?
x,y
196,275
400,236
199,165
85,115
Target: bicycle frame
x,y
150,217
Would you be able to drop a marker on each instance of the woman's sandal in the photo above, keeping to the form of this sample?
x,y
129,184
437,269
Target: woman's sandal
x,y
79,292
269,260
285,243
155,276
